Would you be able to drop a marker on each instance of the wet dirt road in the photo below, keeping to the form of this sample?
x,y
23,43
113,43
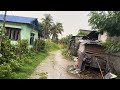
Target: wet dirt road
x,y
55,66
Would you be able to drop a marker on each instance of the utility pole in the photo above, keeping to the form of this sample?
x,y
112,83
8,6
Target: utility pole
x,y
3,33
3,29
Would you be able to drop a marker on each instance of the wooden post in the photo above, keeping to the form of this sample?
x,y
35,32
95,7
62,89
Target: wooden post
x,y
4,23
3,29
99,68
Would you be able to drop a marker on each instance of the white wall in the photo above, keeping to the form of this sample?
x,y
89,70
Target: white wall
x,y
103,37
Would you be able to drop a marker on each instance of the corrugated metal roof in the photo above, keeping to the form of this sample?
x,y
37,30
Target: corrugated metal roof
x,y
20,19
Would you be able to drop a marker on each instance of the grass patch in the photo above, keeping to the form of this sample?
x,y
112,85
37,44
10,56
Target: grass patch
x,y
33,60
51,46
43,75
64,53
28,68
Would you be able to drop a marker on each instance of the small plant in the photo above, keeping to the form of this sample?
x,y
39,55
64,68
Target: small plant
x,y
43,75
65,54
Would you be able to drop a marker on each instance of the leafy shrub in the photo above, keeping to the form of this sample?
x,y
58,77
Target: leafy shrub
x,y
112,46
39,45
23,46
10,62
7,51
5,71
15,65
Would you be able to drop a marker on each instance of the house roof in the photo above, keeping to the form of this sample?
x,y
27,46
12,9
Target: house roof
x,y
90,42
19,19
93,35
85,30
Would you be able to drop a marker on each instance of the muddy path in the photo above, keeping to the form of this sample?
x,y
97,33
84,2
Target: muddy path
x,y
55,66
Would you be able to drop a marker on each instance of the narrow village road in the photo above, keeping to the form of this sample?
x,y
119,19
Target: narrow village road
x,y
55,66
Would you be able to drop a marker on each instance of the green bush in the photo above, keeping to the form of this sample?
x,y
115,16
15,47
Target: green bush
x,y
50,46
14,58
39,45
15,65
112,46
22,46
7,51
10,62
5,71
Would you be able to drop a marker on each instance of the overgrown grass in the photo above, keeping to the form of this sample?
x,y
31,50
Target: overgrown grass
x,y
51,46
32,61
19,62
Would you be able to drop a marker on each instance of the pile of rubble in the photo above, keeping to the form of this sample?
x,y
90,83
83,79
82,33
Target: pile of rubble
x,y
89,73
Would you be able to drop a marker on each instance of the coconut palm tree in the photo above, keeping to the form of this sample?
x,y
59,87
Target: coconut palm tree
x,y
47,25
56,30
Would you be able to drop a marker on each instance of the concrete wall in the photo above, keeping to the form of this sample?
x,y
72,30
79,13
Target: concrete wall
x,y
114,62
32,30
25,30
103,37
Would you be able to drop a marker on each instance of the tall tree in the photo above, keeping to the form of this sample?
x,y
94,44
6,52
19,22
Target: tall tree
x,y
108,21
56,30
47,25
66,39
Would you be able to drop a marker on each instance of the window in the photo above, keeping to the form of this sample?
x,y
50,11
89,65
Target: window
x,y
13,33
32,38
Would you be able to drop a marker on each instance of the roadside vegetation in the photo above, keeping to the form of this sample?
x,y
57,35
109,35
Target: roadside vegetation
x,y
65,54
19,61
66,41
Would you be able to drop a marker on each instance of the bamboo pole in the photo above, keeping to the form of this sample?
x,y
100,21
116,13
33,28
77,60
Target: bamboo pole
x,y
99,68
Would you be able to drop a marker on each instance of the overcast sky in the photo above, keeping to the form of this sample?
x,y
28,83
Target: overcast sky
x,y
72,20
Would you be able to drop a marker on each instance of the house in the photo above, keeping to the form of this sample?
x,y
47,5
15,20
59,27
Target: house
x,y
90,48
74,42
103,37
19,28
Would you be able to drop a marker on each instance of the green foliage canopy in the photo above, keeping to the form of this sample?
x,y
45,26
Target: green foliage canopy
x,y
108,21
